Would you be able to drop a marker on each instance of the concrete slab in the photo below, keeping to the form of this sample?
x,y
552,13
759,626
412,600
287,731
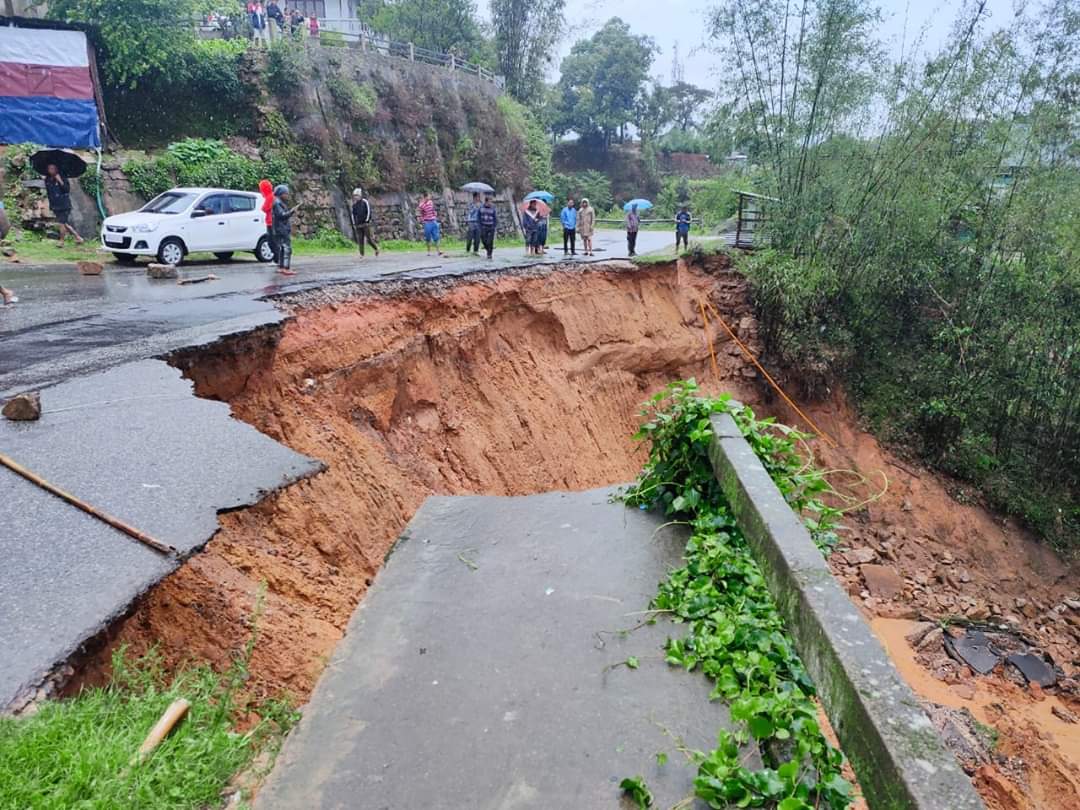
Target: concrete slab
x,y
477,672
65,575
137,443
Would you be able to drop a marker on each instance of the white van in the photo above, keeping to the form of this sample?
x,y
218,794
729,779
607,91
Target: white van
x,y
185,220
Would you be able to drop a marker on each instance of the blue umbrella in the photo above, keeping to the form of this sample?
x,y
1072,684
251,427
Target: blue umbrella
x,y
546,196
641,204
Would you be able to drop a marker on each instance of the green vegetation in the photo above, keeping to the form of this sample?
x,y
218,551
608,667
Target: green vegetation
x,y
525,34
735,634
202,162
331,242
287,67
78,752
926,243
522,123
438,25
355,100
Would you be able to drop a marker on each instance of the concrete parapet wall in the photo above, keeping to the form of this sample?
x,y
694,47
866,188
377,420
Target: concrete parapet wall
x,y
900,760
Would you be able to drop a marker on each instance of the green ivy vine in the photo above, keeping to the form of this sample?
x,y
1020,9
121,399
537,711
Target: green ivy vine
x,y
735,635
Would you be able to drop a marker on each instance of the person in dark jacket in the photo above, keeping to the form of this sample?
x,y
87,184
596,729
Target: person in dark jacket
x,y
530,224
363,221
283,229
472,226
487,220
58,189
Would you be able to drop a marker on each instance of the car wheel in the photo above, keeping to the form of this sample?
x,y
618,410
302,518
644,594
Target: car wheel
x,y
125,258
171,251
264,251
224,255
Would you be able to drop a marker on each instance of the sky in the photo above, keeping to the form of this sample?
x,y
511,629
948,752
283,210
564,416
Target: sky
x,y
683,24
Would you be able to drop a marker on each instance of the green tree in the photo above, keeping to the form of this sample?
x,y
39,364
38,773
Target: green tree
x,y
685,100
438,25
602,78
525,35
652,112
136,37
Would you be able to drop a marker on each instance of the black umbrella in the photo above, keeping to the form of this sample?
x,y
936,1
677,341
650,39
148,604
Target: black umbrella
x,y
70,164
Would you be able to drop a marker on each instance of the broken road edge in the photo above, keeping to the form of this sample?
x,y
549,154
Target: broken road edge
x,y
899,758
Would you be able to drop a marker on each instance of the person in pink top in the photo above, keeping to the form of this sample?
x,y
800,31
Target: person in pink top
x,y
429,219
313,25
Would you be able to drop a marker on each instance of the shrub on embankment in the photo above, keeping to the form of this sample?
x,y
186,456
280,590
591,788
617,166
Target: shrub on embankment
x,y
935,265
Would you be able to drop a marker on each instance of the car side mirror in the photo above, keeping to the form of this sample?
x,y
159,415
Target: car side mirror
x,y
200,212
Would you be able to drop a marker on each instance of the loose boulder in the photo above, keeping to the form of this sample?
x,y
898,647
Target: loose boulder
x,y
23,407
155,270
90,268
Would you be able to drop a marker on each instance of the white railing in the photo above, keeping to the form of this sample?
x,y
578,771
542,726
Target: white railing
x,y
354,31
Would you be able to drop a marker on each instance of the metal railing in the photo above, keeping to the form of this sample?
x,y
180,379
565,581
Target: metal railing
x,y
354,31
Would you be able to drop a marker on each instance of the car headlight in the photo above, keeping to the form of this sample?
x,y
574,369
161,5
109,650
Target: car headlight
x,y
146,227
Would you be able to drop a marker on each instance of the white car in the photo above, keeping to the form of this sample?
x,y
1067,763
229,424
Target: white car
x,y
186,220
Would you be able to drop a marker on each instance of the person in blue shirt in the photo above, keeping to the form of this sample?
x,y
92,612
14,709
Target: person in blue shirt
x,y
569,227
682,228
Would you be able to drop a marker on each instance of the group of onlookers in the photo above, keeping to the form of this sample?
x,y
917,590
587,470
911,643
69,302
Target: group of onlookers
x,y
291,20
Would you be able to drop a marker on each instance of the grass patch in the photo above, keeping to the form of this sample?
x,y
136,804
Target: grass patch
x,y
34,248
77,753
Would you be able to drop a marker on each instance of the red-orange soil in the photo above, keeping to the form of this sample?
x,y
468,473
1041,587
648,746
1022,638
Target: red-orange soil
x,y
512,384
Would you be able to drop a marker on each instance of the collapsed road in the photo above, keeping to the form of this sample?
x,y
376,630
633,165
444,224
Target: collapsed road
x,y
123,432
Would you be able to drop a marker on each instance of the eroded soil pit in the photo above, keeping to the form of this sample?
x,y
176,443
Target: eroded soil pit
x,y
524,382
499,385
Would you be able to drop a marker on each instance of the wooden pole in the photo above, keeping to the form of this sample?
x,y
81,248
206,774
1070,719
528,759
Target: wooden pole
x,y
173,715
104,517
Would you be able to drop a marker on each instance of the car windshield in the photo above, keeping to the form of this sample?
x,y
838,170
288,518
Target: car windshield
x,y
171,202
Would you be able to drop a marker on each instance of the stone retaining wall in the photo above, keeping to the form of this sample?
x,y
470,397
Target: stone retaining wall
x,y
899,759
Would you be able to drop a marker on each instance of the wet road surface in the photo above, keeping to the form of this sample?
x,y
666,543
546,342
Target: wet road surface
x,y
67,324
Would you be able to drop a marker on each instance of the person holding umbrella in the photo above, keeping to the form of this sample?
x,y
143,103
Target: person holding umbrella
x,y
530,223
633,223
472,225
58,189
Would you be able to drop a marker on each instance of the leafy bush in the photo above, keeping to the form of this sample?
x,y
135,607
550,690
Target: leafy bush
x,y
735,634
591,184
201,162
538,151
287,67
355,100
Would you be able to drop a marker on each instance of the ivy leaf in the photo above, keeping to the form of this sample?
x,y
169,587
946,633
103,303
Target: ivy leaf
x,y
637,791
661,758
792,803
632,662
761,727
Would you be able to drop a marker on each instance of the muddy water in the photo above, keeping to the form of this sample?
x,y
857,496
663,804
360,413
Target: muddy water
x,y
1024,723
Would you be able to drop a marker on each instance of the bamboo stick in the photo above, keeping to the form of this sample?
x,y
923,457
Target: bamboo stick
x,y
93,511
176,712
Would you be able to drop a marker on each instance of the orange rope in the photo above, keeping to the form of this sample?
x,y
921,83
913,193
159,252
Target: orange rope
x,y
772,382
708,342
